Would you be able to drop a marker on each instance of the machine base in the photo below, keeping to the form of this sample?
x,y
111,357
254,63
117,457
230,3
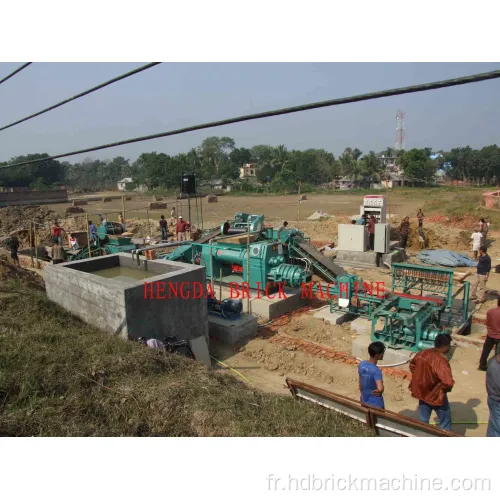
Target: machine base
x,y
348,258
391,356
232,329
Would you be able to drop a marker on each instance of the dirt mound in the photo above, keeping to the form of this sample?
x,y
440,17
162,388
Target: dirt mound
x,y
74,210
8,271
456,221
17,220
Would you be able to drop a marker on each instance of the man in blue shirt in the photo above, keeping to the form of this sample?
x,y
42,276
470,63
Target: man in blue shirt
x,y
371,385
92,230
483,273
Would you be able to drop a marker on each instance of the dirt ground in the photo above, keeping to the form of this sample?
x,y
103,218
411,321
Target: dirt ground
x,y
267,364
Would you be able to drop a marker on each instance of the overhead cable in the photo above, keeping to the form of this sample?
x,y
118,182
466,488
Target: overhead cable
x,y
81,94
25,65
295,109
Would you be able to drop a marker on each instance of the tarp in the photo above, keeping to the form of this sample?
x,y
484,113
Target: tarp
x,y
446,258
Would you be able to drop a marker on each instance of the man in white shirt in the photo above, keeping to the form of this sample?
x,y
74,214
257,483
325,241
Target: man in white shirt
x,y
476,242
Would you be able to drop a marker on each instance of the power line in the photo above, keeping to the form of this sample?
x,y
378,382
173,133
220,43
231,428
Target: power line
x,y
25,65
82,94
295,109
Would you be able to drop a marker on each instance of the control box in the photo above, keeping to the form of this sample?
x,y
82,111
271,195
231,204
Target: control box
x,y
375,205
352,237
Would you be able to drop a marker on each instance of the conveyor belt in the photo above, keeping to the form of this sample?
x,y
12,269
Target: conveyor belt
x,y
209,236
324,267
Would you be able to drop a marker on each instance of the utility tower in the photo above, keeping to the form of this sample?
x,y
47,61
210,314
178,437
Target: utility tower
x,y
400,131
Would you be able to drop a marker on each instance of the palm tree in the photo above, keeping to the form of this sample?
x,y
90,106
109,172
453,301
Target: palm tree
x,y
280,158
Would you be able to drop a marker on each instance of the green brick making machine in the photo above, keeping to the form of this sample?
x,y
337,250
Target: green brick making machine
x,y
402,318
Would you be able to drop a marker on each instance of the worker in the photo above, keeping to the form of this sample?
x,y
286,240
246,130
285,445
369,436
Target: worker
x,y
493,334
121,221
282,228
420,217
421,237
432,380
181,228
12,244
493,391
362,220
476,238
371,384
57,253
163,228
371,232
404,231
482,275
172,216
57,231
483,226
92,231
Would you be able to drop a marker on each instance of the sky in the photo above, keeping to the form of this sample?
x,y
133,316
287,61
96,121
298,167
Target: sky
x,y
174,95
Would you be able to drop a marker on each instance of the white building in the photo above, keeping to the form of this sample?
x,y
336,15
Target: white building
x,y
248,172
122,185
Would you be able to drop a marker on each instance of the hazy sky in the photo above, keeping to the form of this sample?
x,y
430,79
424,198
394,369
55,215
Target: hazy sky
x,y
174,95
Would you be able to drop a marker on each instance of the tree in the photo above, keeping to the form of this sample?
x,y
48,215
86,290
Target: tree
x,y
216,150
371,167
417,165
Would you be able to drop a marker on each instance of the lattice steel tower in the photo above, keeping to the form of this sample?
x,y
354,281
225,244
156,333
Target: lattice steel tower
x,y
400,131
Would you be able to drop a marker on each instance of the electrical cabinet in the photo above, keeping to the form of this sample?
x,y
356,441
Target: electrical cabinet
x,y
375,205
382,238
352,237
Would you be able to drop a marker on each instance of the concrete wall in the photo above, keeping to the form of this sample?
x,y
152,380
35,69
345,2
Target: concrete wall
x,y
33,197
120,308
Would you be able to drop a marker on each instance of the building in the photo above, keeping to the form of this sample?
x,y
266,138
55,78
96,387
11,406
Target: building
x,y
216,185
248,172
122,185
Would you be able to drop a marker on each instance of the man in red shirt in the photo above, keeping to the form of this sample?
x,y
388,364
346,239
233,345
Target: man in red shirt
x,y
181,229
493,336
371,232
57,233
432,380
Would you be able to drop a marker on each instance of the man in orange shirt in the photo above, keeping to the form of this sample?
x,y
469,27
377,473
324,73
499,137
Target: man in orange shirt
x,y
493,335
432,380
182,225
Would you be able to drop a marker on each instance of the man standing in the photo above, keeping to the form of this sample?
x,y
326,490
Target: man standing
x,y
420,217
57,232
371,385
13,246
404,231
483,226
493,390
476,242
371,232
493,335
92,231
482,275
432,380
163,227
181,228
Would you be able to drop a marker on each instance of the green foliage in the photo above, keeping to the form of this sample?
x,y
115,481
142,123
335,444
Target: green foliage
x,y
417,165
477,165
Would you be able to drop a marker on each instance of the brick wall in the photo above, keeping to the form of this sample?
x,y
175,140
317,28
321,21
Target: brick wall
x,y
33,197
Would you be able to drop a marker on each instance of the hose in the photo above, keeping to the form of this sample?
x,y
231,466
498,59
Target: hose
x,y
232,369
389,366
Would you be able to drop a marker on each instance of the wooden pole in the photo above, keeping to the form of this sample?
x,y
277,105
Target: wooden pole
x,y
201,212
298,206
189,217
31,244
123,209
88,234
36,247
149,226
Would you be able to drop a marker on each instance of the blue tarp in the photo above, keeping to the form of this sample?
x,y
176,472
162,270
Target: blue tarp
x,y
446,258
